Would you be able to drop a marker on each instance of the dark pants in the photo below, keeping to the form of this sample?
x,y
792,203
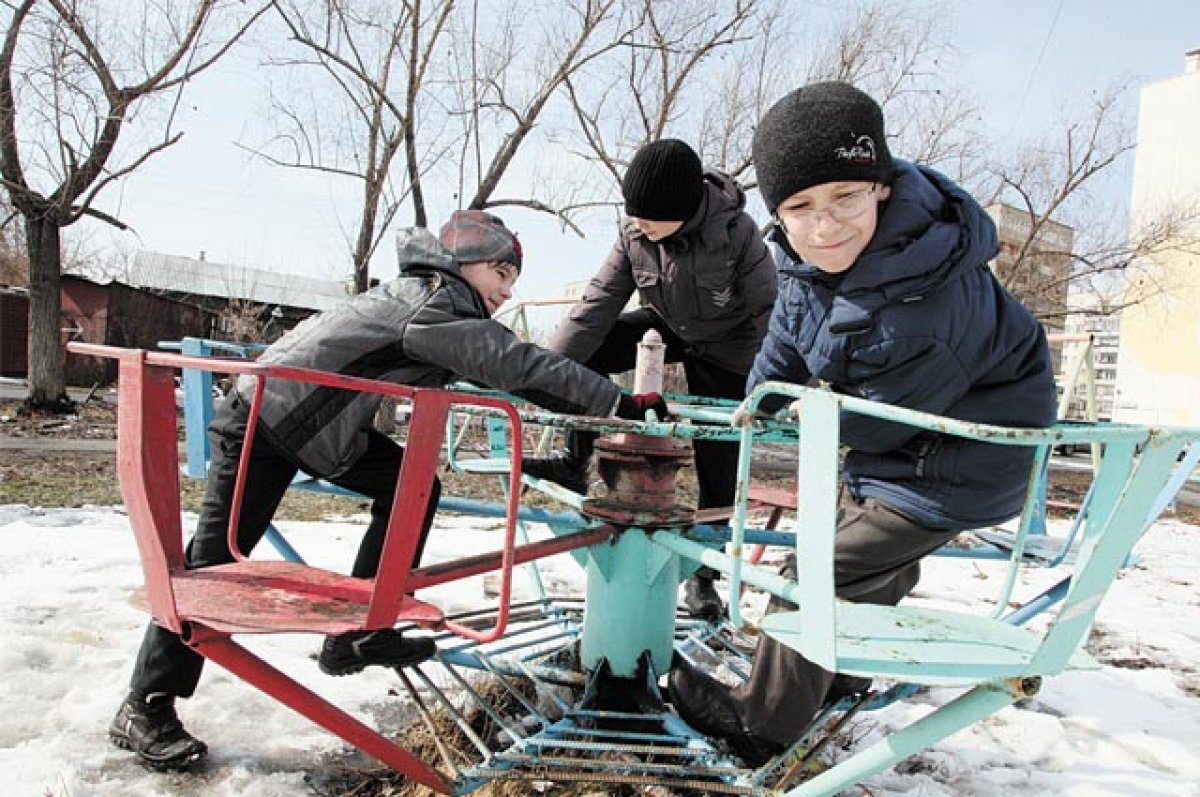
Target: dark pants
x,y
716,463
164,662
877,559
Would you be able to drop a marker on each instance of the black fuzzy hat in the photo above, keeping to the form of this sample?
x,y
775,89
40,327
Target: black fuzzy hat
x,y
820,133
664,182
473,236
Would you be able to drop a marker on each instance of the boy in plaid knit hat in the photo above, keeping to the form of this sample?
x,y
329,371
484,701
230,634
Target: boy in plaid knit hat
x,y
428,327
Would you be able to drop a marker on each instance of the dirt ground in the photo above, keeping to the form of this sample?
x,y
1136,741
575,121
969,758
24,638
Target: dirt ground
x,y
75,478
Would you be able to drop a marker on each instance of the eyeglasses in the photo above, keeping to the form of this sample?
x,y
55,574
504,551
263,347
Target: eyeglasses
x,y
851,206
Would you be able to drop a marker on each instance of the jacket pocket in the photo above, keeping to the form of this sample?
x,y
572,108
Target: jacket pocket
x,y
645,277
716,295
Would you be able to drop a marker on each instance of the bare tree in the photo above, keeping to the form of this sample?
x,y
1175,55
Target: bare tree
x,y
72,76
14,262
901,57
651,87
506,82
360,122
1056,179
706,72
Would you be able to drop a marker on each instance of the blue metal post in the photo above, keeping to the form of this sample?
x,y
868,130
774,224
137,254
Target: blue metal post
x,y
197,409
631,590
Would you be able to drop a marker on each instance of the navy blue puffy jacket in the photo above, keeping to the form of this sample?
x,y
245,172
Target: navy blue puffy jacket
x,y
919,321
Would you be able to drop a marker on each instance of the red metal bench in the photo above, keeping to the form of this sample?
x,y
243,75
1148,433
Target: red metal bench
x,y
208,606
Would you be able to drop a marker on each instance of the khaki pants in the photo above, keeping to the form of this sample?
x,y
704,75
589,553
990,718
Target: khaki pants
x,y
877,559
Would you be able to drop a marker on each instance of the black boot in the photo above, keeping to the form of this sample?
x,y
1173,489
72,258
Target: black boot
x,y
561,467
567,467
844,686
707,706
351,652
700,597
149,726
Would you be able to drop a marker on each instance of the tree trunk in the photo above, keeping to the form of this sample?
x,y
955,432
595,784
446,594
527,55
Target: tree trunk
x,y
47,387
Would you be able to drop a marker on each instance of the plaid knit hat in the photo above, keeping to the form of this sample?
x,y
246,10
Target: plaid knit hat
x,y
664,182
473,236
820,133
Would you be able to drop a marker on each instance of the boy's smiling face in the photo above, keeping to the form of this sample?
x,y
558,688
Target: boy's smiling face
x,y
829,225
493,280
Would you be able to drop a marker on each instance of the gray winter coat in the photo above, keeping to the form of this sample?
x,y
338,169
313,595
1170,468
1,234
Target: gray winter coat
x,y
426,328
712,283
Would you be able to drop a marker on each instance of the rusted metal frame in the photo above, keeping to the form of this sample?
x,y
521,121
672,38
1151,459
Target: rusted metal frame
x,y
449,710
603,764
549,613
465,567
629,780
151,500
489,666
423,451
245,665
525,651
541,685
478,700
527,627
444,751
414,486
569,727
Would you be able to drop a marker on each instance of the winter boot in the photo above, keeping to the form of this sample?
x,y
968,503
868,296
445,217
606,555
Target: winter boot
x,y
349,653
844,686
700,597
567,467
149,726
707,706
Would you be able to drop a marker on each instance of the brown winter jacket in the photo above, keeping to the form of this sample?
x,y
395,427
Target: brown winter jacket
x,y
712,282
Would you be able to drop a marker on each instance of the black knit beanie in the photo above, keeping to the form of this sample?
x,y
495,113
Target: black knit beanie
x,y
473,236
664,182
820,133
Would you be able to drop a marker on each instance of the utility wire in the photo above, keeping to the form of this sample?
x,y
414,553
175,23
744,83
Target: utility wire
x,y
1037,65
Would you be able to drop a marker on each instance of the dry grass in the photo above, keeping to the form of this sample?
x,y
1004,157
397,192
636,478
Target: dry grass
x,y
423,739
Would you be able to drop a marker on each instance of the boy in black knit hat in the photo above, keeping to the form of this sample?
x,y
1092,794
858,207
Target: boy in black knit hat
x,y
885,293
704,280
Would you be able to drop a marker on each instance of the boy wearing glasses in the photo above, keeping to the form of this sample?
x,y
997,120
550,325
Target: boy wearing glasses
x,y
884,293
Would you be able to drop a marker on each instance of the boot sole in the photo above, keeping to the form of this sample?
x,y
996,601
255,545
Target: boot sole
x,y
176,764
358,665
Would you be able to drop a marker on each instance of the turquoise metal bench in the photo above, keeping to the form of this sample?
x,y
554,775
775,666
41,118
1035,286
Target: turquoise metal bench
x,y
989,657
995,661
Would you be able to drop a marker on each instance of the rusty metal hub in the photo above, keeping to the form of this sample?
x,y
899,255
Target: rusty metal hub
x,y
640,472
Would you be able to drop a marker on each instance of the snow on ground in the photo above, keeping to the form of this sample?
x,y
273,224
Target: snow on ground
x,y
70,633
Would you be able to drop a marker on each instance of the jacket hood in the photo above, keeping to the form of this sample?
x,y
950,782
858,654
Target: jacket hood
x,y
930,232
419,249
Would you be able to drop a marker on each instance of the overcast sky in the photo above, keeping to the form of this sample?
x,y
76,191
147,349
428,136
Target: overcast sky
x,y
1025,59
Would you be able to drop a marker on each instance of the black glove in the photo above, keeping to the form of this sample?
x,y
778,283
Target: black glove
x,y
635,407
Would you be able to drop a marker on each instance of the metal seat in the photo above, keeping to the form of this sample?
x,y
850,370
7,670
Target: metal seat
x,y
997,662
207,606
